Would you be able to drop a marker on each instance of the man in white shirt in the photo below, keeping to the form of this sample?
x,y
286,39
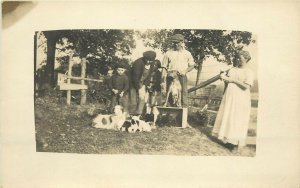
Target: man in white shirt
x,y
180,60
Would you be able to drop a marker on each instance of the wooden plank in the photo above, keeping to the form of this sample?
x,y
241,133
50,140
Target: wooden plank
x,y
83,91
251,140
61,76
70,87
69,80
205,83
184,122
179,108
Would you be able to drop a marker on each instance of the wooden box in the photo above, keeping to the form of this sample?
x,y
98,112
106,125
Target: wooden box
x,y
176,116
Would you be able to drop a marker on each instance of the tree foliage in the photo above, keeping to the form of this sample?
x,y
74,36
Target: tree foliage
x,y
202,44
101,48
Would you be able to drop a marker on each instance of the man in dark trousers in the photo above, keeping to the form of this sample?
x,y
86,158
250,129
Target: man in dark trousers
x,y
141,71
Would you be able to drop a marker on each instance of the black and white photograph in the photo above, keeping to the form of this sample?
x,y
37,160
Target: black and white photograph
x,y
133,94
152,91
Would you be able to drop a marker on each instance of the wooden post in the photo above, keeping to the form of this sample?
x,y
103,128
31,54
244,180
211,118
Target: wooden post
x,y
184,122
83,91
198,73
34,59
69,80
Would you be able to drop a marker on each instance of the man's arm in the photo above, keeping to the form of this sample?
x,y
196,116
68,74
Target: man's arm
x,y
190,62
109,82
165,64
136,71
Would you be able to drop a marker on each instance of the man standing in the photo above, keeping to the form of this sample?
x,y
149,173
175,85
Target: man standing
x,y
142,70
180,60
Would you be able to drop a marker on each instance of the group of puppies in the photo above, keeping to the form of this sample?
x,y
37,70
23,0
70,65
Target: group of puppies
x,y
121,122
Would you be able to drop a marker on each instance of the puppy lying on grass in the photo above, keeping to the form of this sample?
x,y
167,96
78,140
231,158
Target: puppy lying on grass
x,y
111,121
135,124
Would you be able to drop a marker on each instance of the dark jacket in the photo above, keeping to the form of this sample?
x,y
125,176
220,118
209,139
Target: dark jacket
x,y
156,76
119,82
137,72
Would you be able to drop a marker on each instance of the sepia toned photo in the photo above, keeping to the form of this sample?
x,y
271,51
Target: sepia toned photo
x,y
154,92
149,94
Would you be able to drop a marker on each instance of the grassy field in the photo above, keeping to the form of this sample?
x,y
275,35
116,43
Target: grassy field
x,y
60,128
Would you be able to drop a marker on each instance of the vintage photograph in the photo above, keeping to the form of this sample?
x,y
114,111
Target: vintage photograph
x,y
151,92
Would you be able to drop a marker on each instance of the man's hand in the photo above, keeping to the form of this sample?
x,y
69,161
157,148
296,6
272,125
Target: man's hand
x,y
121,94
115,91
140,85
163,86
182,72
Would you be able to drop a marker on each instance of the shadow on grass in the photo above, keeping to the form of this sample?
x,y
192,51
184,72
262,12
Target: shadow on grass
x,y
207,131
249,150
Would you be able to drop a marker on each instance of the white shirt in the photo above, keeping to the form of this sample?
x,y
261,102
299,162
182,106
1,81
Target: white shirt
x,y
178,60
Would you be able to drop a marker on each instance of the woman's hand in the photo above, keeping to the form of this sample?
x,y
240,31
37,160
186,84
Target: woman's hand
x,y
225,78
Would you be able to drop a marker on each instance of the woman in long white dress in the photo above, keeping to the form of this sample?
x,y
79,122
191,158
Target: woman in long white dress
x,y
231,125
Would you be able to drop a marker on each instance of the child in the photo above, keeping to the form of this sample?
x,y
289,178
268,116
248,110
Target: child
x,y
119,85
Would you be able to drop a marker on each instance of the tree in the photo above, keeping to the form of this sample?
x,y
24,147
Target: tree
x,y
101,48
220,44
52,38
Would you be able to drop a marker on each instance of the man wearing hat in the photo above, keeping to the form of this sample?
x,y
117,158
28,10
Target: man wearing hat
x,y
141,71
119,85
180,60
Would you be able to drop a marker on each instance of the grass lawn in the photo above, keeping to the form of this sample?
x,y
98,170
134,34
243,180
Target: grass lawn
x,y
67,129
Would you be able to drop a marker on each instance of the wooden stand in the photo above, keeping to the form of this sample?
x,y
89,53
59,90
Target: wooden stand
x,y
64,81
183,112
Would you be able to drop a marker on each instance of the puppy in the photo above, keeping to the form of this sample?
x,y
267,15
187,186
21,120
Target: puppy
x,y
126,125
142,125
113,121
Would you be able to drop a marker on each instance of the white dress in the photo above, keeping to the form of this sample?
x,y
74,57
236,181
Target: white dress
x,y
231,125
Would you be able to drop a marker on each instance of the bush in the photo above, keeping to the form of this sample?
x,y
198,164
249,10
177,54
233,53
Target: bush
x,y
199,118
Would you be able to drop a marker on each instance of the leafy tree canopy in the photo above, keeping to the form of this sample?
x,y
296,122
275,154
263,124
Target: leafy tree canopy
x,y
219,44
101,48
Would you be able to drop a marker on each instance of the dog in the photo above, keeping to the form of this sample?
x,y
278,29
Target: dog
x,y
130,126
142,125
135,124
174,89
110,121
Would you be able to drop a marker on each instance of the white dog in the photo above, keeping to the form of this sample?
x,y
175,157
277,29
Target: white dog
x,y
142,125
111,121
